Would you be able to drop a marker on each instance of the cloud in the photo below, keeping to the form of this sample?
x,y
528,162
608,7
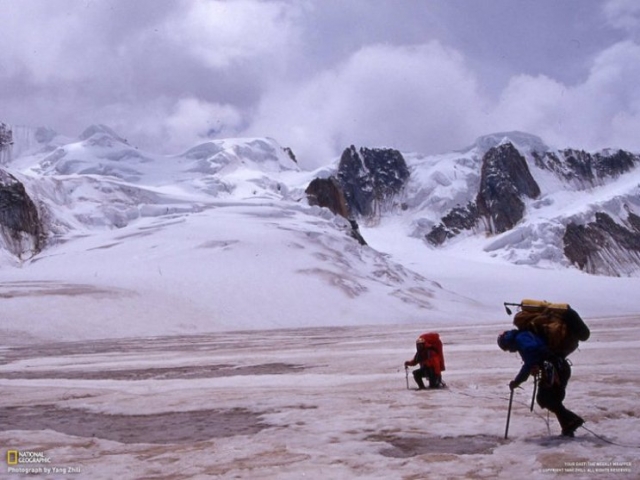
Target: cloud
x,y
138,64
170,126
602,111
623,14
192,121
223,33
425,98
419,97
55,41
36,56
319,76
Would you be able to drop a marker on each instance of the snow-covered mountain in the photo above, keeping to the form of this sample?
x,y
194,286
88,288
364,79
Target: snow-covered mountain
x,y
557,208
510,196
227,235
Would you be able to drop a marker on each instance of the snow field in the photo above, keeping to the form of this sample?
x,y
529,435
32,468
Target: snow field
x,y
328,402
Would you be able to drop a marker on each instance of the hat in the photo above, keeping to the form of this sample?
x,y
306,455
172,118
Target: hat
x,y
506,339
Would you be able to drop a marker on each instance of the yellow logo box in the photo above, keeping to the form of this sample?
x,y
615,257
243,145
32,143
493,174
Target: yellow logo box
x,y
12,457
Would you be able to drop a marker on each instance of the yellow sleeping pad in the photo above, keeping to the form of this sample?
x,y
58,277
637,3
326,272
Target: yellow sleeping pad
x,y
529,305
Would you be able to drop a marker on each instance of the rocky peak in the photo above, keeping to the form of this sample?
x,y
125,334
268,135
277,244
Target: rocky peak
x,y
370,178
365,185
504,179
585,170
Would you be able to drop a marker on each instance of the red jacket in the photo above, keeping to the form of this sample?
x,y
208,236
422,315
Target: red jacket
x,y
429,353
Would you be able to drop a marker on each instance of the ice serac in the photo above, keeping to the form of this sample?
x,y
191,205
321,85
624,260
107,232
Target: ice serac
x,y
21,232
6,142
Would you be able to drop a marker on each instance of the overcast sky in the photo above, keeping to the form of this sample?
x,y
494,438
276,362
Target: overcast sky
x,y
319,75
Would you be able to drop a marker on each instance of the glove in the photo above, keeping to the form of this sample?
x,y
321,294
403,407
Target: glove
x,y
513,385
406,364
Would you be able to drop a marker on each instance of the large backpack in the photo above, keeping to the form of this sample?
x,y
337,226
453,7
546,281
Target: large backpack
x,y
560,325
432,342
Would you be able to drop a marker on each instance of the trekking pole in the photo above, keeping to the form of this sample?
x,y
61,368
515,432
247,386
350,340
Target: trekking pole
x,y
506,430
535,389
406,376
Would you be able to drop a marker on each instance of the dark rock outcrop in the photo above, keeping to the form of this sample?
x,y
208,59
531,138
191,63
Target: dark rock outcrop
x,y
457,220
586,169
634,221
505,179
290,153
370,179
604,247
20,227
366,184
326,192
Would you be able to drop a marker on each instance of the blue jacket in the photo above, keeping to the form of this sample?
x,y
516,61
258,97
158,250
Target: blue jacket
x,y
532,349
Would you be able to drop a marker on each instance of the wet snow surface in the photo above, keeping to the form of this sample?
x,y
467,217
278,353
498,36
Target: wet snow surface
x,y
315,403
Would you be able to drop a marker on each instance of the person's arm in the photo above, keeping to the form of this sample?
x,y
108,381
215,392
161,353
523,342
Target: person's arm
x,y
522,376
532,353
413,362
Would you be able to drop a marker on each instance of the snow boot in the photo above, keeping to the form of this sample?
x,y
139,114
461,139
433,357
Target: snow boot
x,y
570,427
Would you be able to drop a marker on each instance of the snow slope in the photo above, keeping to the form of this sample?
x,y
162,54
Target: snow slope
x,y
227,266
221,237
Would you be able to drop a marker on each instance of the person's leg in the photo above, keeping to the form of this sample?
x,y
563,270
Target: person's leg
x,y
569,421
435,380
417,376
551,398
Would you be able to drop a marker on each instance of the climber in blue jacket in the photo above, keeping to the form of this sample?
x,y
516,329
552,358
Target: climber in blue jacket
x,y
554,375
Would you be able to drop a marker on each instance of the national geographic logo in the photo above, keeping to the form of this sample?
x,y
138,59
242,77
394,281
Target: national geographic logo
x,y
20,457
29,462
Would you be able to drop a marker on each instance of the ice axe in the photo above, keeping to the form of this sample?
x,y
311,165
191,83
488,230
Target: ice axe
x,y
509,312
535,389
406,375
506,430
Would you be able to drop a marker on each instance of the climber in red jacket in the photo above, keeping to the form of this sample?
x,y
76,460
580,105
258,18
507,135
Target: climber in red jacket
x,y
431,360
